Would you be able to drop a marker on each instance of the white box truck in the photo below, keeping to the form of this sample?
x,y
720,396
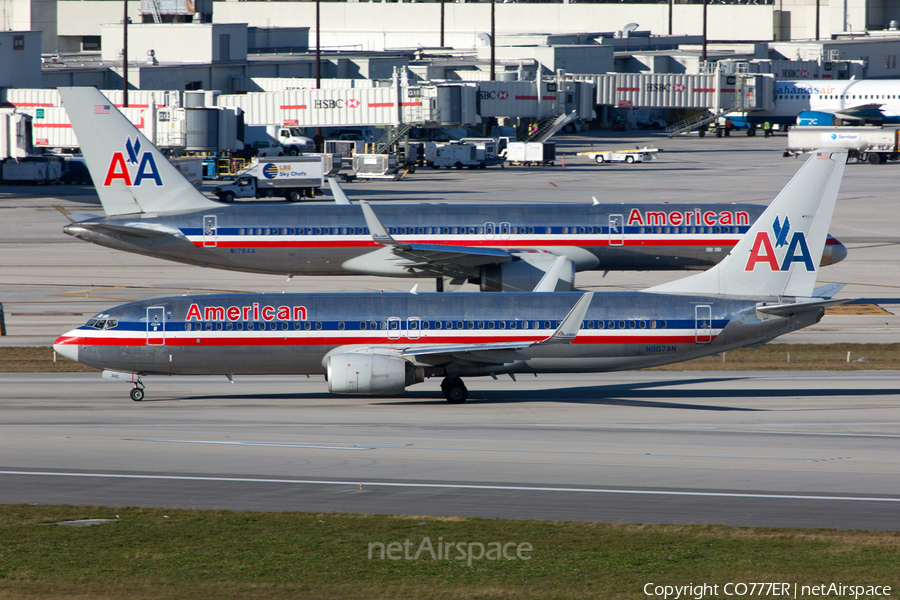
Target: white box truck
x,y
531,153
288,178
290,139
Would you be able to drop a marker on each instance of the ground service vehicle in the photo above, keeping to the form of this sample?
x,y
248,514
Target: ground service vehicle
x,y
289,139
874,145
531,153
288,178
625,156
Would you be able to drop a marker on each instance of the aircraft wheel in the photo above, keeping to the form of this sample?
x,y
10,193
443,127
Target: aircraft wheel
x,y
599,160
137,394
629,159
455,390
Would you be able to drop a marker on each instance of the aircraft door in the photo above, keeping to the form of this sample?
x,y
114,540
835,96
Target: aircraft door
x,y
489,231
703,323
210,231
413,328
393,328
616,230
156,326
504,230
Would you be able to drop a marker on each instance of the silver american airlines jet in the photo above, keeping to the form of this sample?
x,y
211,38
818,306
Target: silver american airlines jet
x,y
379,344
152,209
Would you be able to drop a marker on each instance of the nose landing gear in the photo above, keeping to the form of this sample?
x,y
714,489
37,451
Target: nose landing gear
x,y
455,390
137,392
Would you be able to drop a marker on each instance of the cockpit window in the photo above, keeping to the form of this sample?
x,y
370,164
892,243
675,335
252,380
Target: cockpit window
x,y
101,323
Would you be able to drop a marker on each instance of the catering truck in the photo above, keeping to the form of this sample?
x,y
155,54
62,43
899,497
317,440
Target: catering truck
x,y
874,145
289,178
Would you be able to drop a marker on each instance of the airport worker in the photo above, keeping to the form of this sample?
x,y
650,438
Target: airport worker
x,y
767,128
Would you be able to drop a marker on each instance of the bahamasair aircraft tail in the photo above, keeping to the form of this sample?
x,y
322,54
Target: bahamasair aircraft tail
x,y
152,209
379,344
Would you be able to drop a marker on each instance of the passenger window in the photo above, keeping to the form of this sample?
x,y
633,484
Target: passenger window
x,y
340,325
490,324
621,324
228,326
250,326
296,324
502,324
240,326
565,230
187,326
590,325
426,324
362,325
318,325
307,326
209,326
631,324
471,324
548,230
547,325
459,324
600,324
531,230
643,324
524,324
268,231
240,232
662,324
611,325
284,325
437,324
537,325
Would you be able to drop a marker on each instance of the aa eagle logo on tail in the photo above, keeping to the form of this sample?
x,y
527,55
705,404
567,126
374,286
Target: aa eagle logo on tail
x,y
142,166
764,252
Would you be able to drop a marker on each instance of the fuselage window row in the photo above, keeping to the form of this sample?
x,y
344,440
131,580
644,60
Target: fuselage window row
x,y
417,325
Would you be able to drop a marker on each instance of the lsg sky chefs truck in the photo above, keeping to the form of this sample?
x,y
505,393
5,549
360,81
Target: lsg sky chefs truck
x,y
290,178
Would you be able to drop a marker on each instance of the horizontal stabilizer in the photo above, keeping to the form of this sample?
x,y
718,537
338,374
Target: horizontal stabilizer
x,y
828,291
791,308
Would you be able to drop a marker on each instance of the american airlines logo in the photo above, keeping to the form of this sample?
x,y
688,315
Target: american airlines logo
x,y
694,217
124,170
765,244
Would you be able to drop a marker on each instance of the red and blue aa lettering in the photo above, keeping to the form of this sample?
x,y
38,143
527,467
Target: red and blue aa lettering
x,y
119,169
763,251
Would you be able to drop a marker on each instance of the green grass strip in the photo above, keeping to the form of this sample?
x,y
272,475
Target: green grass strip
x,y
162,553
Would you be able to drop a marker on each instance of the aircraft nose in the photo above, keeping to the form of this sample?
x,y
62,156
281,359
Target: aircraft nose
x,y
67,345
834,252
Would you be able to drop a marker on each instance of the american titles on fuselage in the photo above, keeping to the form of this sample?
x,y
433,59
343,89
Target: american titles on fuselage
x,y
687,218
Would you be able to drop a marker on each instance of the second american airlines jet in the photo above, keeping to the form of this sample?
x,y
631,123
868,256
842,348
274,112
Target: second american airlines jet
x,y
379,344
152,209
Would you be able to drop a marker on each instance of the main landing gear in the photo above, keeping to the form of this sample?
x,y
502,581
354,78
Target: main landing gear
x,y
455,390
137,392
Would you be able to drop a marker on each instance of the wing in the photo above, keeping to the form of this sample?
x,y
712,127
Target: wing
x,y
419,258
503,352
870,112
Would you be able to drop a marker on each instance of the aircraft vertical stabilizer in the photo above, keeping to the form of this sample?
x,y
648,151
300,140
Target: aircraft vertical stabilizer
x,y
131,175
780,254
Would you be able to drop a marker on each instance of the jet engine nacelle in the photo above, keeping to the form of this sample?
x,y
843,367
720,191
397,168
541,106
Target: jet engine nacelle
x,y
812,118
522,275
370,374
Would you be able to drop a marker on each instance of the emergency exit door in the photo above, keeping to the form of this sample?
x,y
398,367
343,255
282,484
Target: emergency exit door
x,y
616,230
156,326
210,232
703,323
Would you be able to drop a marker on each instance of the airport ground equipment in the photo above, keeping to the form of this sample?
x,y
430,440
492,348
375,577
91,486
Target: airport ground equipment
x,y
454,155
625,156
530,154
874,145
289,178
15,134
36,170
290,139
375,166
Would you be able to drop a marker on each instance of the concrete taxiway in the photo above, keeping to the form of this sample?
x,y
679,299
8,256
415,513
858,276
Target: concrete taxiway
x,y
773,449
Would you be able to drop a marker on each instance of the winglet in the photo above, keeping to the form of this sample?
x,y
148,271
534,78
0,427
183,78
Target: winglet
x,y
551,277
339,196
594,198
379,232
569,327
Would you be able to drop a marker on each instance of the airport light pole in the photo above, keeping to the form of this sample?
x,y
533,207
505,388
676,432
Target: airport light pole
x,y
125,55
493,74
442,23
703,55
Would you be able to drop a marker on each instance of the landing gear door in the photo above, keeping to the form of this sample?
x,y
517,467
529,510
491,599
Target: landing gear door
x,y
616,230
156,326
703,323
210,233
